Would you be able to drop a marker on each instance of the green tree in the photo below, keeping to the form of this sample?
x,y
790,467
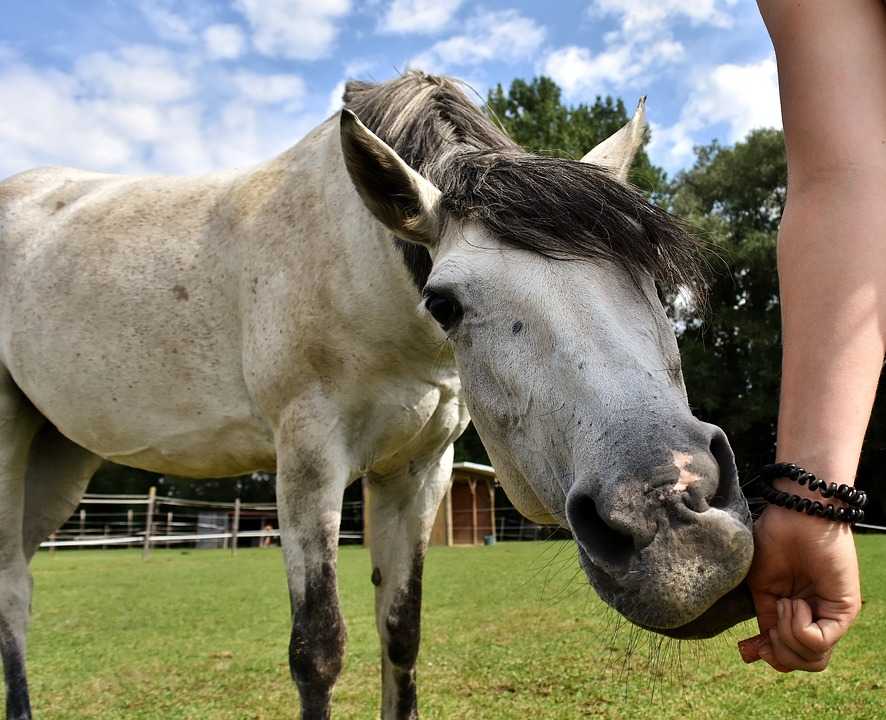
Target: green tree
x,y
534,115
731,353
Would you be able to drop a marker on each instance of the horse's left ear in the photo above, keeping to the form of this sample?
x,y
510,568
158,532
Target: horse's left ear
x,y
400,198
617,152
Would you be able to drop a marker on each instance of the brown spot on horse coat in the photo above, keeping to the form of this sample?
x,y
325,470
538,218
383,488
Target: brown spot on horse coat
x,y
180,292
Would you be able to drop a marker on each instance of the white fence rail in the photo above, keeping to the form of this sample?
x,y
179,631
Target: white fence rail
x,y
154,520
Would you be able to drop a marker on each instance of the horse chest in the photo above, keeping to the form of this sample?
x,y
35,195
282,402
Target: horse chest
x,y
410,420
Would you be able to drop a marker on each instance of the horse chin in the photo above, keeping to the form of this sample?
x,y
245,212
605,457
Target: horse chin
x,y
734,607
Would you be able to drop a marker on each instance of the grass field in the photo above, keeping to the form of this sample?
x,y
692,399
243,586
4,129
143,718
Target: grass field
x,y
510,631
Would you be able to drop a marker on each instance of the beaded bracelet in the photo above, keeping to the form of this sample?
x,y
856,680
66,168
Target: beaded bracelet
x,y
855,499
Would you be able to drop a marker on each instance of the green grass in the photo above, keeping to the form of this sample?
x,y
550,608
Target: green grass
x,y
510,631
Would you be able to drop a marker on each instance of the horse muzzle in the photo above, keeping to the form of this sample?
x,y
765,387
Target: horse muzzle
x,y
663,542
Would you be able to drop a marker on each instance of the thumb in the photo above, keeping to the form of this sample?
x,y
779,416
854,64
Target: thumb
x,y
750,648
767,617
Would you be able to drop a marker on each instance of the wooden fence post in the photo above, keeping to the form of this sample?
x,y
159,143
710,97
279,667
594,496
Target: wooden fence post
x,y
474,530
107,535
450,534
491,488
236,528
130,515
82,523
149,522
168,527
367,525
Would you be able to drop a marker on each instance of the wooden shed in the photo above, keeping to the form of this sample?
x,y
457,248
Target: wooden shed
x,y
467,513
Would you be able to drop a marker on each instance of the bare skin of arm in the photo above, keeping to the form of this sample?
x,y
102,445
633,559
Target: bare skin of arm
x,y
832,276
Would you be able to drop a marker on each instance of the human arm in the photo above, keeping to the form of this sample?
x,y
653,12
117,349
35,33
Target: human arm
x,y
832,275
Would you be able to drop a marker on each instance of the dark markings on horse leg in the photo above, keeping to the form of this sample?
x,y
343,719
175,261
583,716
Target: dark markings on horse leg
x,y
404,634
18,704
376,577
317,644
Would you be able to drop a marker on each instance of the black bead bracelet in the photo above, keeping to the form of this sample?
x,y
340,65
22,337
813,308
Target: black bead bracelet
x,y
854,499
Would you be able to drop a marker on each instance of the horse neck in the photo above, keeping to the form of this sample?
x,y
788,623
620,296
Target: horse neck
x,y
365,279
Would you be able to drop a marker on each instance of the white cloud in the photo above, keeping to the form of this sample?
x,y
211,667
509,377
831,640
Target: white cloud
x,y
224,41
632,55
294,29
270,89
136,72
670,146
643,15
666,50
579,71
167,24
575,68
144,109
504,35
50,128
335,98
743,97
419,16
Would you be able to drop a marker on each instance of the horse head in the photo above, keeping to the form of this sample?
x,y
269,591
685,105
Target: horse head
x,y
543,281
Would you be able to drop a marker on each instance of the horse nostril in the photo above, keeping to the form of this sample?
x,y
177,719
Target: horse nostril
x,y
727,491
600,540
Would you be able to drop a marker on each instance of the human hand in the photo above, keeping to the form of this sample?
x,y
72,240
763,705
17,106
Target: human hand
x,y
804,581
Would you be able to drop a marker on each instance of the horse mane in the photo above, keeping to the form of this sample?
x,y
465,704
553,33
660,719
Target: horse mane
x,y
559,208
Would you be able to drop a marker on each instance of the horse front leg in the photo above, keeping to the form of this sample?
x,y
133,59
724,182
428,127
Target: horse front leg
x,y
402,509
310,487
18,424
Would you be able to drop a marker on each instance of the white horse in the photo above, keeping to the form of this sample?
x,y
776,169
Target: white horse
x,y
268,320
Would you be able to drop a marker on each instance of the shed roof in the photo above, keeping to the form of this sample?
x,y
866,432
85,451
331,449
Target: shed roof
x,y
475,469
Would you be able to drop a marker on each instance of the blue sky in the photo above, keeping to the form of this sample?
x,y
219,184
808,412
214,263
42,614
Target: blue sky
x,y
187,87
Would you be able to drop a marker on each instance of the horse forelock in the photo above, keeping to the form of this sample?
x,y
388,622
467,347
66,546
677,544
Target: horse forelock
x,y
559,208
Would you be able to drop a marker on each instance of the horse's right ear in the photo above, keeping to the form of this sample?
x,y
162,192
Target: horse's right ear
x,y
400,198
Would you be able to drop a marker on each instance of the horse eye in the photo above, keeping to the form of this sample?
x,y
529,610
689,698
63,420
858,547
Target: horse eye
x,y
445,310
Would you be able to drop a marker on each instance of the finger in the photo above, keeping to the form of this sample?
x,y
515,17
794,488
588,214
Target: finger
x,y
768,656
788,659
789,624
765,607
818,636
